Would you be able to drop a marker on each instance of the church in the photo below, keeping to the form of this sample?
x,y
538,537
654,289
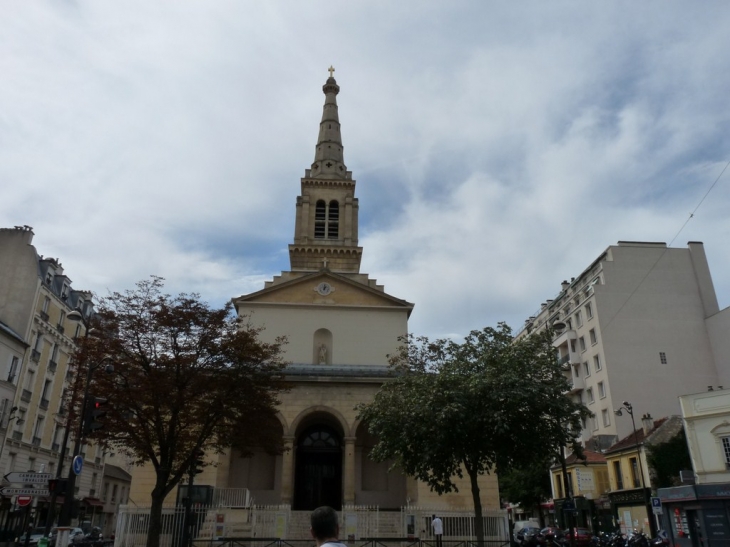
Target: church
x,y
340,325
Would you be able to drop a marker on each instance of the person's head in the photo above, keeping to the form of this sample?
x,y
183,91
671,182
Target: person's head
x,y
324,523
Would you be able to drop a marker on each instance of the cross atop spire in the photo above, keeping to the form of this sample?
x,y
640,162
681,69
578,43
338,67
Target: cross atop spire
x,y
331,71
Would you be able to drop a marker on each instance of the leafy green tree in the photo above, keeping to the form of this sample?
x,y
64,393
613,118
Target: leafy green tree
x,y
668,459
187,377
474,407
528,485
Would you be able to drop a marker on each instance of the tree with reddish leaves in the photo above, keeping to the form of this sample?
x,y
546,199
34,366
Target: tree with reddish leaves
x,y
186,377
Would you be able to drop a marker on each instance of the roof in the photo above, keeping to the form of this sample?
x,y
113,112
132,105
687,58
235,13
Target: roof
x,y
116,472
10,332
591,457
637,437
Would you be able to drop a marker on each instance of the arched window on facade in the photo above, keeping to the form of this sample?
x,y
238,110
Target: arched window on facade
x,y
326,220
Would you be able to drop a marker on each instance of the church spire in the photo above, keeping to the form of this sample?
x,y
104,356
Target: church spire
x,y
326,225
329,162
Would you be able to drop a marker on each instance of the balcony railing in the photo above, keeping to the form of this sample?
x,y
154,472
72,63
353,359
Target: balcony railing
x,y
35,355
52,366
55,447
36,441
17,435
62,411
44,404
60,328
564,359
577,384
97,460
69,375
25,396
232,497
44,316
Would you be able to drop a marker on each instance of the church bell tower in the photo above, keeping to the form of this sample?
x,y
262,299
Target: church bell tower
x,y
325,233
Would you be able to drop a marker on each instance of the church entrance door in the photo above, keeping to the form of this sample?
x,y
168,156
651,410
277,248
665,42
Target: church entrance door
x,y
318,469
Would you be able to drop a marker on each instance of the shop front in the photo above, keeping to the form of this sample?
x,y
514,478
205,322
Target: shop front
x,y
697,515
631,512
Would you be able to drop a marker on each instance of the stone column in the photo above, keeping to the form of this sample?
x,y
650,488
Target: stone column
x,y
348,474
287,471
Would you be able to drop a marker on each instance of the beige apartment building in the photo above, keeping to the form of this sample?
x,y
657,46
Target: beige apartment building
x,y
36,343
640,324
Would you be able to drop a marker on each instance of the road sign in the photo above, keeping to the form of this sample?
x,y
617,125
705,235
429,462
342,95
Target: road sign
x,y
77,465
568,505
23,500
24,492
656,506
28,478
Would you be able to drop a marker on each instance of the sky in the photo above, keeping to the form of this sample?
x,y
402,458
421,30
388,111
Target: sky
x,y
498,147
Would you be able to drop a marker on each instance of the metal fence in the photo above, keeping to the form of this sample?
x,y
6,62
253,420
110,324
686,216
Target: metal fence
x,y
458,525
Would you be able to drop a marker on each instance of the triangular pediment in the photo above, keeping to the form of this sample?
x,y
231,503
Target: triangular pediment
x,y
324,288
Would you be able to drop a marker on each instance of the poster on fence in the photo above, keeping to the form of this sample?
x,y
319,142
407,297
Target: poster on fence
x,y
351,526
280,525
220,525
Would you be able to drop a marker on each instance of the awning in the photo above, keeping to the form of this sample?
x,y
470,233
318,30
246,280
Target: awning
x,y
96,502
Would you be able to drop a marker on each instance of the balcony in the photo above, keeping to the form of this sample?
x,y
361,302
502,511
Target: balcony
x,y
25,396
576,384
60,328
564,337
36,441
52,366
55,447
44,404
69,375
17,435
35,355
62,411
44,316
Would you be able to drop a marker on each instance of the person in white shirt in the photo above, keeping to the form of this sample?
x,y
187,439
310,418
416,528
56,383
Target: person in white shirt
x,y
438,529
325,527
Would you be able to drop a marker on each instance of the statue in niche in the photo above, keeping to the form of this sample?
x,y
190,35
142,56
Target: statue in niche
x,y
323,354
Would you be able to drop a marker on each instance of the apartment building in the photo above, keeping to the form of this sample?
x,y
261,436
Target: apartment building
x,y
640,324
36,345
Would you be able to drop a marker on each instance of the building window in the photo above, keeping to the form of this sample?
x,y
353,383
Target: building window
x,y
582,343
326,220
662,358
589,393
594,420
597,362
594,339
13,371
726,450
586,369
559,485
635,472
114,493
31,464
601,390
578,318
617,474
106,491
606,417
589,310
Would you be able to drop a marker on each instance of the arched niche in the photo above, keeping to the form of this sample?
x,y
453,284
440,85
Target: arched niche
x,y
322,347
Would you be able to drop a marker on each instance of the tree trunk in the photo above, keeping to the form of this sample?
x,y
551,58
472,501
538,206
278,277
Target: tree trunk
x,y
478,519
155,528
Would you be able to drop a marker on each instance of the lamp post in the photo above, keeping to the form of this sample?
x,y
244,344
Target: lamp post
x,y
630,409
64,518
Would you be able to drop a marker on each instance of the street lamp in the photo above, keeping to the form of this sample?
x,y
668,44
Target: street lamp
x,y
64,518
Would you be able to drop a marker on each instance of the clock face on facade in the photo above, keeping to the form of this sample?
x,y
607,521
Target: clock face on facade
x,y
324,289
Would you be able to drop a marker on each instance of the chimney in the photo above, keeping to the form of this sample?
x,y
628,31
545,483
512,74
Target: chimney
x,y
647,423
564,285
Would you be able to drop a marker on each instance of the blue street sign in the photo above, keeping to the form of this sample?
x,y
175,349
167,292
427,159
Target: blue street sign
x,y
656,506
77,465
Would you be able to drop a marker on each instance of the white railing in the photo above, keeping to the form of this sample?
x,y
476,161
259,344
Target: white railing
x,y
359,521
231,497
458,524
270,521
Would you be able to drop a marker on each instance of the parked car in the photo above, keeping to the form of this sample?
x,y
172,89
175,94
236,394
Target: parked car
x,y
35,535
520,524
527,537
549,536
583,536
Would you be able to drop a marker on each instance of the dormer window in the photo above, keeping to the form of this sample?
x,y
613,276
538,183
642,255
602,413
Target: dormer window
x,y
64,292
49,278
326,220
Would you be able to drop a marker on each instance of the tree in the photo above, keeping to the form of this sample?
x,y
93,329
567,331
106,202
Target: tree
x,y
478,406
528,485
668,459
186,377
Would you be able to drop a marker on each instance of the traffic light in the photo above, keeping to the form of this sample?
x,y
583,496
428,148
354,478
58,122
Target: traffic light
x,y
93,413
57,486
198,463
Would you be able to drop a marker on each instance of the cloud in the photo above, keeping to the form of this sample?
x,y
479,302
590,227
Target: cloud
x,y
498,149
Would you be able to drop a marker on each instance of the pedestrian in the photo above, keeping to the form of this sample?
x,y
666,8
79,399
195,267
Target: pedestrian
x,y
438,529
325,527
